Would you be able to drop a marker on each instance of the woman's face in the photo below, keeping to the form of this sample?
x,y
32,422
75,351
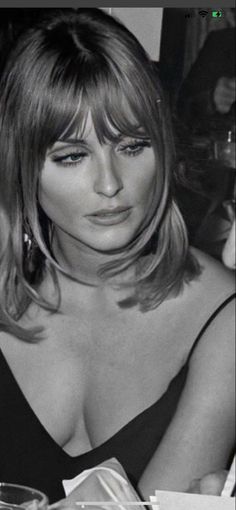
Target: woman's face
x,y
99,195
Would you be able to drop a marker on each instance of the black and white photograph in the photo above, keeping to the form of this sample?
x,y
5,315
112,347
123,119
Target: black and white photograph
x,y
117,258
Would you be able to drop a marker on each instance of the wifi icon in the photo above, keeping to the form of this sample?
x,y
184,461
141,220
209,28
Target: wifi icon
x,y
203,14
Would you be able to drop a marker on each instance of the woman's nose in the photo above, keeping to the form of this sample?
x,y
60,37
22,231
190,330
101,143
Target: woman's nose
x,y
108,180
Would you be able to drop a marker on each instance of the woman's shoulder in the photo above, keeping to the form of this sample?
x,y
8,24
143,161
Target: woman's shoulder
x,y
203,298
215,303
211,359
215,280
208,314
187,315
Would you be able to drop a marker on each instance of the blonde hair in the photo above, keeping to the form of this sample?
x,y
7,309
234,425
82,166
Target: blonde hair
x,y
82,58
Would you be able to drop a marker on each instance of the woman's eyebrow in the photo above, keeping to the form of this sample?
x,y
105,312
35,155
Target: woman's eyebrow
x,y
71,140
67,141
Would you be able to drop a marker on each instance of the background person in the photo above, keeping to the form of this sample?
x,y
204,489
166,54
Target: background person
x,y
206,108
206,100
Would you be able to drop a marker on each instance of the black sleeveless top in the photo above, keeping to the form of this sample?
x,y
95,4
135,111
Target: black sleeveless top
x,y
29,455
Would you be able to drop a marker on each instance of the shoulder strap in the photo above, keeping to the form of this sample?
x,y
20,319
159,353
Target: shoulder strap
x,y
208,322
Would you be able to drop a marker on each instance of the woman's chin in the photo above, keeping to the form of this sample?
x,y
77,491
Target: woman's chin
x,y
109,242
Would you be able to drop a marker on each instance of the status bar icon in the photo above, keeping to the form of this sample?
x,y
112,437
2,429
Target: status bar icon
x,y
203,13
217,14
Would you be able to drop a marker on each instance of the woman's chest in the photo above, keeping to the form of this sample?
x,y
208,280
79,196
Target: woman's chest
x,y
109,370
92,375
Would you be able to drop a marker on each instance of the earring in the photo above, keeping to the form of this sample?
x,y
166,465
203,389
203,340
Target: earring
x,y
29,243
27,240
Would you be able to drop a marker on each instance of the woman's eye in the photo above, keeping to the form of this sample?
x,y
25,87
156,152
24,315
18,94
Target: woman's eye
x,y
70,159
134,148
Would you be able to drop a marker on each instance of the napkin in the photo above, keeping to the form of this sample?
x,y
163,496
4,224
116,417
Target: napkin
x,y
183,501
102,485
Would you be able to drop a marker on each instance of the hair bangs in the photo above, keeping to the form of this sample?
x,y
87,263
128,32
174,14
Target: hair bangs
x,y
118,103
111,108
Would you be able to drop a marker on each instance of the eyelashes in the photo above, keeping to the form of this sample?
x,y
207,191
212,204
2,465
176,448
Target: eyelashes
x,y
135,147
70,158
75,156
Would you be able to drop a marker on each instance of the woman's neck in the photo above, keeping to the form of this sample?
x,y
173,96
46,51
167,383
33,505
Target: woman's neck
x,y
83,263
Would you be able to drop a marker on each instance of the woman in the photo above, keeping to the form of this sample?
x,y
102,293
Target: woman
x,y
116,338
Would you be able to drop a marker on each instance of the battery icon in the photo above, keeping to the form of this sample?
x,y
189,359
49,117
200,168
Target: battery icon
x,y
216,14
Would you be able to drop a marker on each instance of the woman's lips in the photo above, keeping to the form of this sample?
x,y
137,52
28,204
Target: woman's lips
x,y
109,216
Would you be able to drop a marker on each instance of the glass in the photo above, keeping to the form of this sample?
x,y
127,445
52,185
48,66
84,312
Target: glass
x,y
229,207
104,505
224,150
14,497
